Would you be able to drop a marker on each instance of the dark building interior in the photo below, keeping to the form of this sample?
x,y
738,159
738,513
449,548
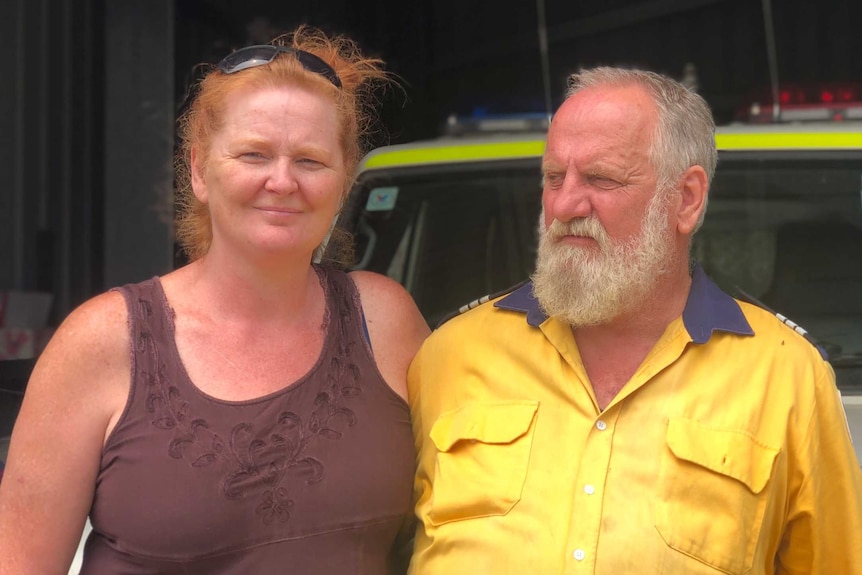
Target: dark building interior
x,y
92,89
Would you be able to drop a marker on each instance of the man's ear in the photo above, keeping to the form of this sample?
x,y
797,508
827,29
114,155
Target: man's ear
x,y
694,187
197,175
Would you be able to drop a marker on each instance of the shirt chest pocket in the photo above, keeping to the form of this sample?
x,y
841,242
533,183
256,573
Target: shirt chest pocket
x,y
483,450
713,497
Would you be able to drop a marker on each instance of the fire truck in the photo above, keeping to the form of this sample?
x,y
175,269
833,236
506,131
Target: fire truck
x,y
455,218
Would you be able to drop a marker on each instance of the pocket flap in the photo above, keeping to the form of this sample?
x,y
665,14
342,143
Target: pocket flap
x,y
491,422
735,454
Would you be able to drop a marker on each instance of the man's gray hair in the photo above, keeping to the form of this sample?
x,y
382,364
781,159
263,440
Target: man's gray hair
x,y
685,131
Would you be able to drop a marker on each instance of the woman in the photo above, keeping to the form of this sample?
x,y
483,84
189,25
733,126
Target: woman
x,y
231,416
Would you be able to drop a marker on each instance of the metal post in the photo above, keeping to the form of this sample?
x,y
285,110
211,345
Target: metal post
x,y
543,52
772,55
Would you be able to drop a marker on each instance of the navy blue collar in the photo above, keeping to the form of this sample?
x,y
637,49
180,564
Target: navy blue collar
x,y
707,309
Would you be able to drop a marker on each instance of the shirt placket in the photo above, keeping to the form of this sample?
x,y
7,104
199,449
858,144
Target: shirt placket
x,y
588,497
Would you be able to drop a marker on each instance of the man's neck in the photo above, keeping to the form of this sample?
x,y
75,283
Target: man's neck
x,y
612,352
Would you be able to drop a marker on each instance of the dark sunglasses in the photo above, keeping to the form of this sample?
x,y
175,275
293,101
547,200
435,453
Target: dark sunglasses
x,y
252,56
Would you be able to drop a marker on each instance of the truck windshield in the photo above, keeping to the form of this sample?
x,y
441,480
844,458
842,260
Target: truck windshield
x,y
786,230
783,229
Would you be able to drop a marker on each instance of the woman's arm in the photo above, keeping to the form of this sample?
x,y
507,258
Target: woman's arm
x,y
75,394
396,327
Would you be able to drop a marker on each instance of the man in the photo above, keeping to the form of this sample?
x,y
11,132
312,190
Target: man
x,y
620,414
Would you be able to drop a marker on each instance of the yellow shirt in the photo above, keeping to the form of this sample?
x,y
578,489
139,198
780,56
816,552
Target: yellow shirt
x,y
726,452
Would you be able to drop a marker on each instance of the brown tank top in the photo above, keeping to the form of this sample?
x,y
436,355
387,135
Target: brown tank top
x,y
314,479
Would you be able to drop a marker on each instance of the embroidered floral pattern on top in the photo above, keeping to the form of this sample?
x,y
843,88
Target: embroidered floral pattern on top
x,y
262,460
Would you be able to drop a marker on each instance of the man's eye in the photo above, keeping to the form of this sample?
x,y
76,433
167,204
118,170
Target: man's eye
x,y
603,182
553,179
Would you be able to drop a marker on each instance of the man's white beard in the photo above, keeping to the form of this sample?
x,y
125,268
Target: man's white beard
x,y
586,286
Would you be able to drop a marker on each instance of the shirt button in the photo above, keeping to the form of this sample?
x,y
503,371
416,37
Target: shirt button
x,y
579,554
589,489
601,425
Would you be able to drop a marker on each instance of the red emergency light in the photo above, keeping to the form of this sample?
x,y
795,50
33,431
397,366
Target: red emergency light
x,y
806,102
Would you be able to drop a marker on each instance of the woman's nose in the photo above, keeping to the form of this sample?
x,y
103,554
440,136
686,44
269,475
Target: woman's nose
x,y
282,177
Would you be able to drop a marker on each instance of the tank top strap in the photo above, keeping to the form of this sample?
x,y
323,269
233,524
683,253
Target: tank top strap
x,y
346,305
147,307
150,315
151,331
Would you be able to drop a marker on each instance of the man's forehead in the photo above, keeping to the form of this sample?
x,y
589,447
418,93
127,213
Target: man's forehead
x,y
600,124
630,103
596,143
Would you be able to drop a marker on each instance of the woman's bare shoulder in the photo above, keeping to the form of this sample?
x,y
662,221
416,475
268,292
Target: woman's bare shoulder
x,y
372,283
93,340
100,324
384,299
396,327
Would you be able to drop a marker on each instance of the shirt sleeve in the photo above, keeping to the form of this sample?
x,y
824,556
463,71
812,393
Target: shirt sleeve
x,y
416,378
824,524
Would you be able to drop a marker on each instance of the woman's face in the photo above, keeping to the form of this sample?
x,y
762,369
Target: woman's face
x,y
274,176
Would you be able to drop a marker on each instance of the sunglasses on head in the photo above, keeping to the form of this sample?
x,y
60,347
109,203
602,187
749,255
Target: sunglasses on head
x,y
252,56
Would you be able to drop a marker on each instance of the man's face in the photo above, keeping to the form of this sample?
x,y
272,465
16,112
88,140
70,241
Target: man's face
x,y
604,232
593,285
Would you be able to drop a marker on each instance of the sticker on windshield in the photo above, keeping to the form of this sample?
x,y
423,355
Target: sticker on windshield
x,y
382,199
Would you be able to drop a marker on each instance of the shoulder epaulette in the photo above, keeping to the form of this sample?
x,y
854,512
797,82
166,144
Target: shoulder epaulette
x,y
477,302
785,320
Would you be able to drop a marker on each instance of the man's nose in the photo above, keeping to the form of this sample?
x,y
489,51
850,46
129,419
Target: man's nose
x,y
568,202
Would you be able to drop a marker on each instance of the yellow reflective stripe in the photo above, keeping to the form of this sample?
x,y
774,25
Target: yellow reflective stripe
x,y
461,153
532,149
788,141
